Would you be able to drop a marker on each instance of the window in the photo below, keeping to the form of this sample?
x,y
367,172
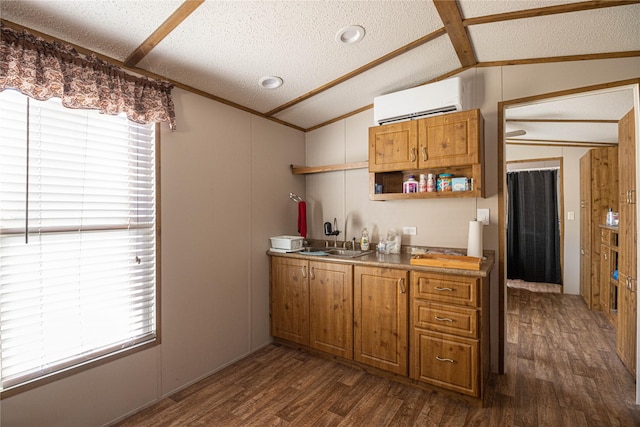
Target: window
x,y
77,237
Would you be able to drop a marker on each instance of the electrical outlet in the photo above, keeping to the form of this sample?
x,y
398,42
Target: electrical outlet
x,y
409,231
483,215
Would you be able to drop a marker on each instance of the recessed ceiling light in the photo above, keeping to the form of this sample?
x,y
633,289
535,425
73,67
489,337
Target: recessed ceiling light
x,y
270,82
351,34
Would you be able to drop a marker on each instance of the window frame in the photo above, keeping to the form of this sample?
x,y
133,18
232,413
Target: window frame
x,y
110,357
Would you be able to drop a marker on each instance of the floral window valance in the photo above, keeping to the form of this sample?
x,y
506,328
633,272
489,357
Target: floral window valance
x,y
43,70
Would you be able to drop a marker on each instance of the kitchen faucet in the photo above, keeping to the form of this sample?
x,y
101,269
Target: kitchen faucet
x,y
329,231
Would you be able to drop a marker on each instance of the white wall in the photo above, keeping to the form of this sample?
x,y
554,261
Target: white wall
x,y
225,189
344,195
571,192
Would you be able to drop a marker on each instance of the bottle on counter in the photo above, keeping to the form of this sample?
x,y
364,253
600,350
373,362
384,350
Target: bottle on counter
x,y
410,185
364,240
422,185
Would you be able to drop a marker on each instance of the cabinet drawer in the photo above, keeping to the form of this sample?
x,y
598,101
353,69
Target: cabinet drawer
x,y
446,288
446,361
451,320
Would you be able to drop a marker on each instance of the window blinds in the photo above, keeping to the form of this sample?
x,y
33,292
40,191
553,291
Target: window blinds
x,y
77,236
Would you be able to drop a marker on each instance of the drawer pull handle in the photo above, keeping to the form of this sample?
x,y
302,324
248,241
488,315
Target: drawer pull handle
x,y
439,289
424,154
444,319
444,359
401,284
304,272
413,155
313,273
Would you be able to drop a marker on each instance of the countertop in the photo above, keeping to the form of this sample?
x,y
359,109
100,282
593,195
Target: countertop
x,y
609,227
402,260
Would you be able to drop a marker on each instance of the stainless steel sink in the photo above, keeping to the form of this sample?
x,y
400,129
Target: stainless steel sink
x,y
336,252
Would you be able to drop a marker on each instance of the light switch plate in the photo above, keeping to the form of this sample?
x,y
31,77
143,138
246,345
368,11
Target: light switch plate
x,y
409,231
571,216
483,215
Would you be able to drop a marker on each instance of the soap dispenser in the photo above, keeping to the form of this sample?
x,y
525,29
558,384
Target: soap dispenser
x,y
364,240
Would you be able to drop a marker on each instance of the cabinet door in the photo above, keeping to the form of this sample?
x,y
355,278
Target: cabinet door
x,y
381,318
331,308
290,299
446,361
628,197
627,315
450,140
393,147
585,228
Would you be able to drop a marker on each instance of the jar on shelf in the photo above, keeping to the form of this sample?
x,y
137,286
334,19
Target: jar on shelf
x,y
410,185
431,183
422,185
444,181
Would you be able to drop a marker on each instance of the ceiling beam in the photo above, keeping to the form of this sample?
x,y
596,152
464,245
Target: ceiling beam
x,y
563,144
548,10
452,20
175,19
561,121
556,141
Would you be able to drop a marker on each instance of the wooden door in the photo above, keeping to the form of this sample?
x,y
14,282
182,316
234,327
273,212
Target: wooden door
x,y
605,279
290,299
627,244
331,308
393,147
381,318
450,139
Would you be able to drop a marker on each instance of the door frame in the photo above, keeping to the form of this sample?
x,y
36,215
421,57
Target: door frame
x,y
502,291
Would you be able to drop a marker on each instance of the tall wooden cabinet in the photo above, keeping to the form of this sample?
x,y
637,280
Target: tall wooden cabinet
x,y
598,193
627,245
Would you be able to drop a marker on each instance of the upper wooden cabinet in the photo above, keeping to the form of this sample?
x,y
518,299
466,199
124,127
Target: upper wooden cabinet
x,y
433,142
393,147
449,143
449,140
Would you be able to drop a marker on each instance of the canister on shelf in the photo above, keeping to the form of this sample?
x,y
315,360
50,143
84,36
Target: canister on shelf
x,y
431,183
422,185
444,181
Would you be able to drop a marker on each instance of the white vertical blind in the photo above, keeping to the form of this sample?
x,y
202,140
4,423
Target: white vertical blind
x,y
77,236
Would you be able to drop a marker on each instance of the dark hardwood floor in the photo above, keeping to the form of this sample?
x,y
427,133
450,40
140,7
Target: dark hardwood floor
x,y
562,370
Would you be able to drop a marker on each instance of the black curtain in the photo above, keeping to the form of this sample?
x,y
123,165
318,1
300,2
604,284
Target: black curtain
x,y
533,232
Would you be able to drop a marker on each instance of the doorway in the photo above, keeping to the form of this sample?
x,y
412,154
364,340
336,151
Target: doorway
x,y
578,95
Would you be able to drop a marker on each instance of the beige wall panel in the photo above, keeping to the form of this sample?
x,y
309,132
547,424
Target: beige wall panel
x,y
525,80
273,149
206,239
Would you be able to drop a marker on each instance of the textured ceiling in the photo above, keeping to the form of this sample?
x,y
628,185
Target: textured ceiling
x,y
222,48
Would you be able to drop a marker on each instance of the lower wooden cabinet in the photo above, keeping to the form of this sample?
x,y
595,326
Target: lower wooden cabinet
x,y
363,313
450,331
331,308
311,304
627,318
381,307
446,361
290,299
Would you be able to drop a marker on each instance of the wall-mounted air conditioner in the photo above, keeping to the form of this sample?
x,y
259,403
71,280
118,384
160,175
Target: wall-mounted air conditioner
x,y
435,98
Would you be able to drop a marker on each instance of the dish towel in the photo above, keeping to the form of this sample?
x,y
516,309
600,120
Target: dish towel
x,y
302,219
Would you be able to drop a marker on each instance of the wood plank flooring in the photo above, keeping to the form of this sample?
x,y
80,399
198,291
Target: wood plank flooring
x,y
562,370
